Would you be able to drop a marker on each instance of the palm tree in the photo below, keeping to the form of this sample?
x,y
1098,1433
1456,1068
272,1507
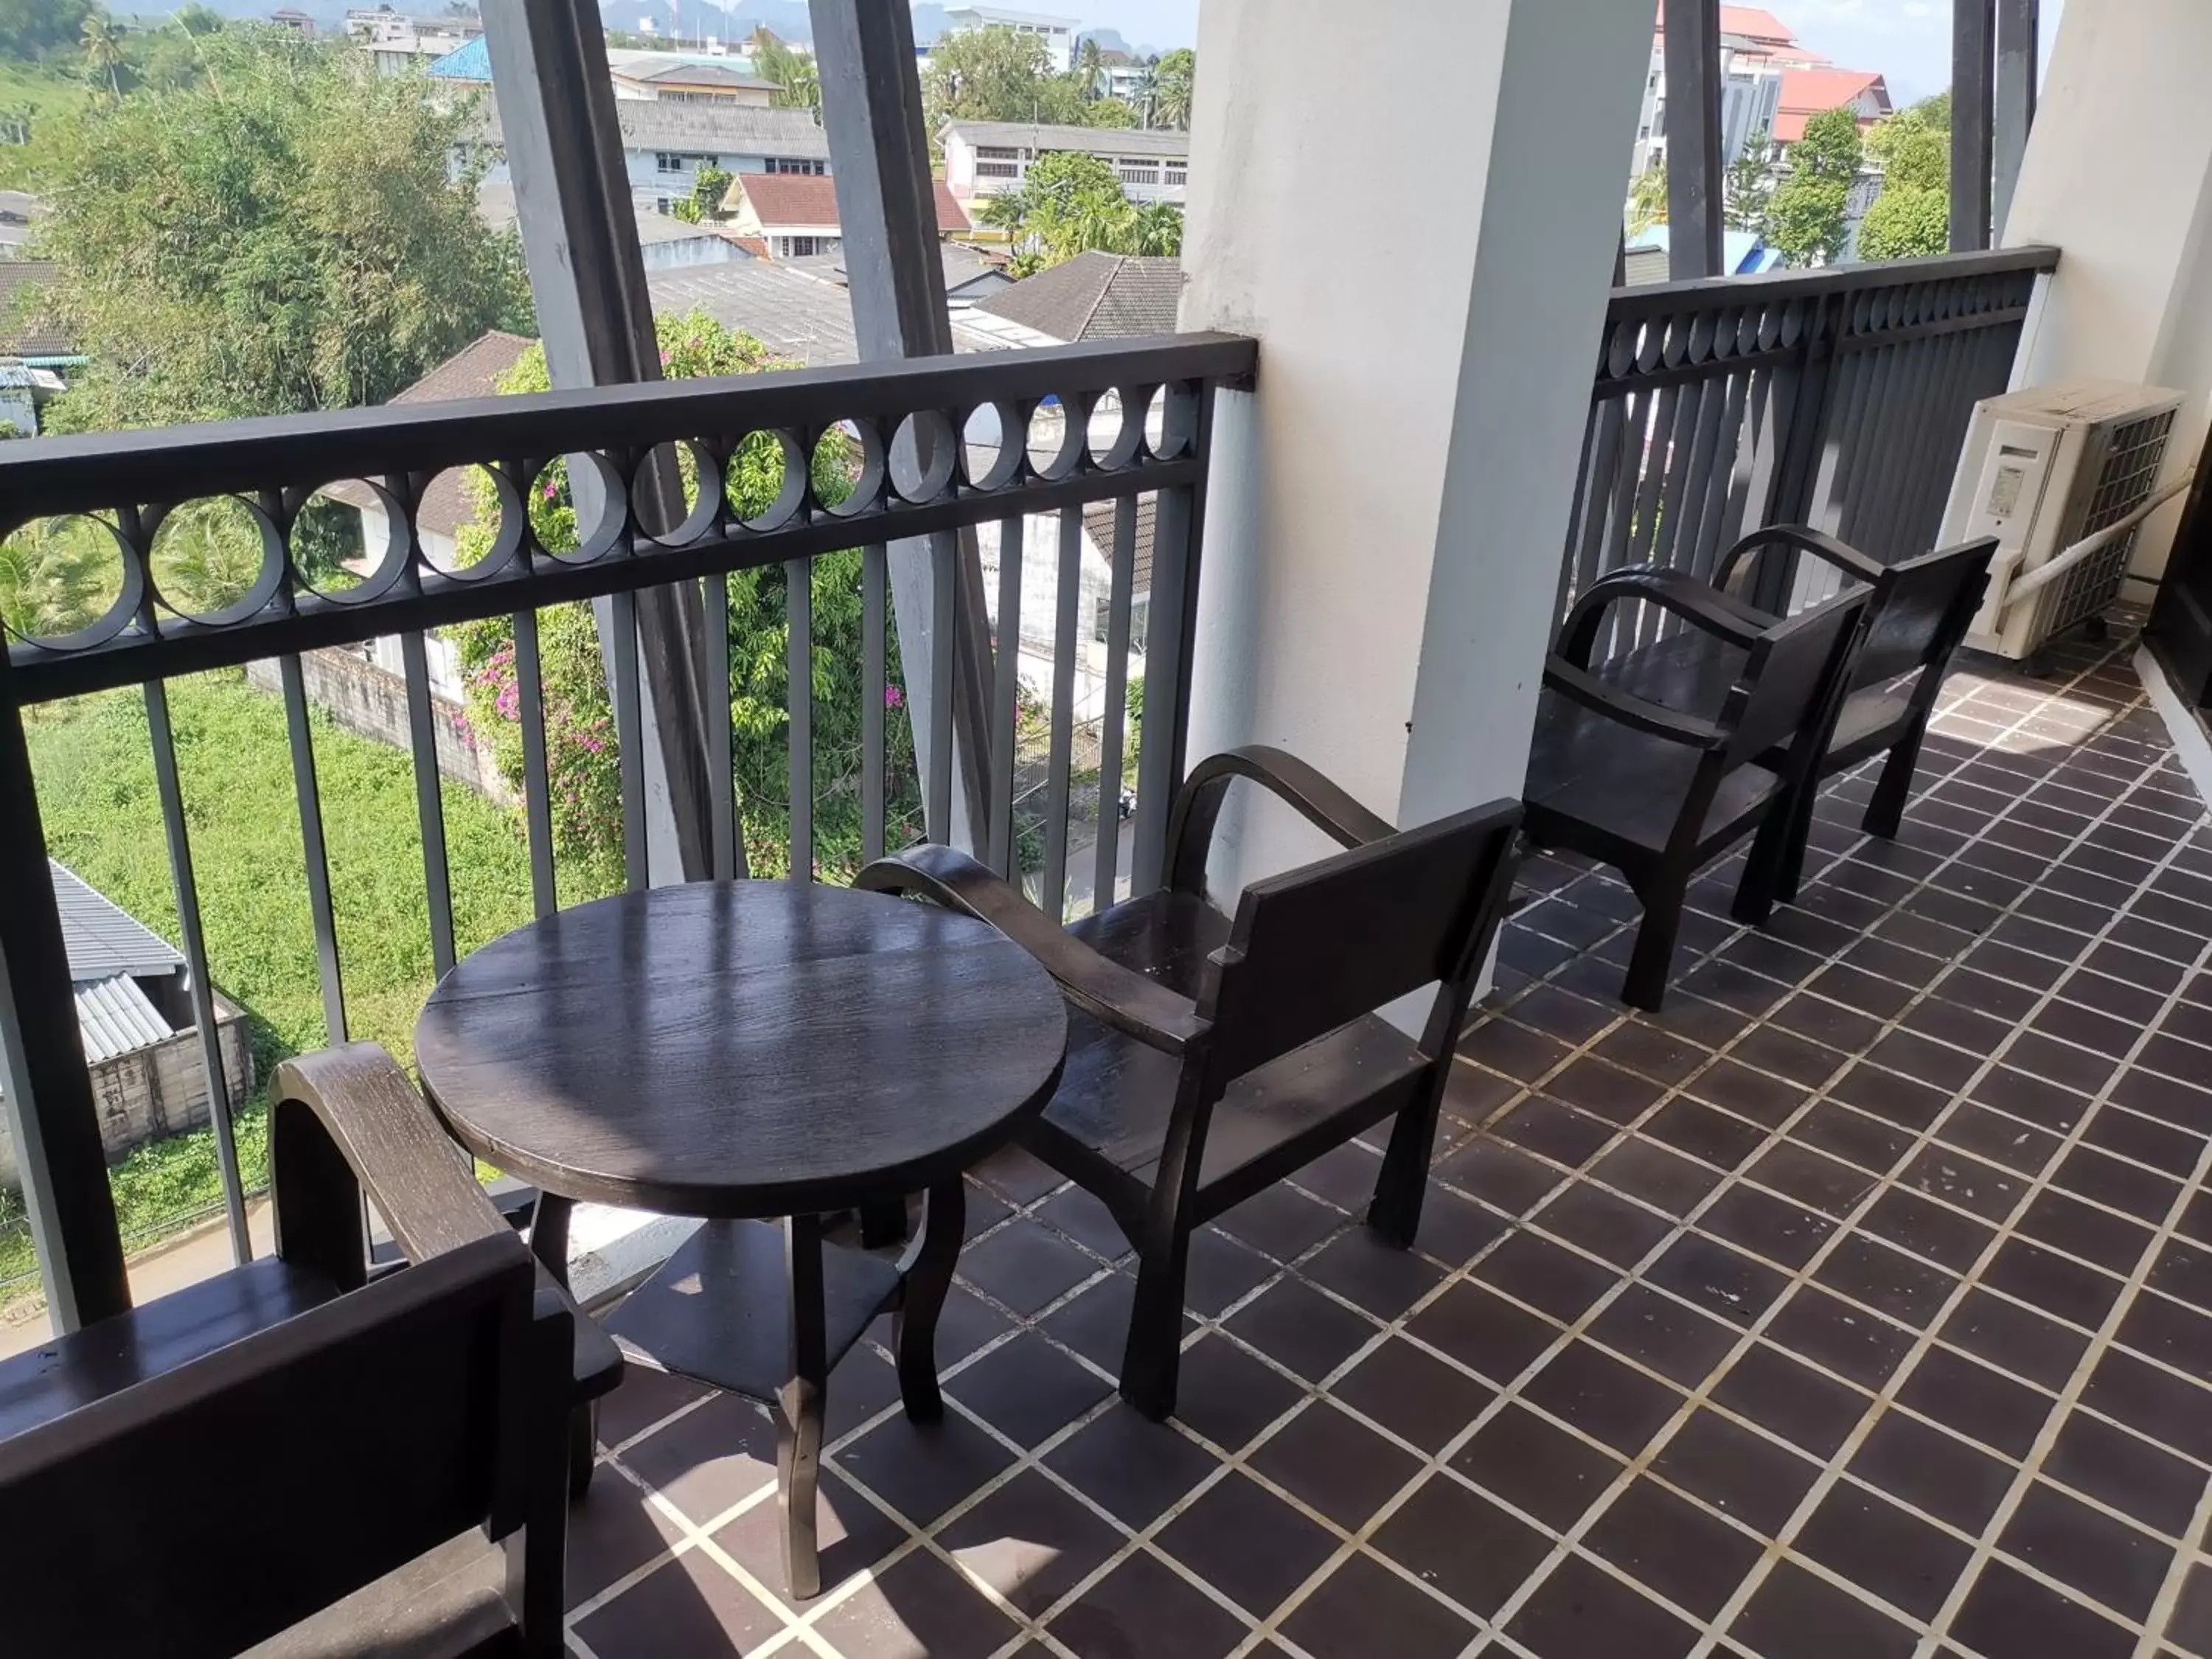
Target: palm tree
x,y
1177,81
103,51
1091,68
1146,92
1156,230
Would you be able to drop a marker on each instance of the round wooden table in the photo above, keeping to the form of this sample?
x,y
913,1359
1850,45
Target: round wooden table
x,y
745,1050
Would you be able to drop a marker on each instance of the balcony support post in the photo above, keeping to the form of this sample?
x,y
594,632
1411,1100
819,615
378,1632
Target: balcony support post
x,y
2019,27
557,120
1973,68
49,1108
1695,166
887,215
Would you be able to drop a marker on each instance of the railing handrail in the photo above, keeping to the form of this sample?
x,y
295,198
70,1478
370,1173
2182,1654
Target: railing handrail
x,y
43,478
1717,293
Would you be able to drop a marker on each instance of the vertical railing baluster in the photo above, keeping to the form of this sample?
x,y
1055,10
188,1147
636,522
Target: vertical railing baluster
x,y
799,695
1635,436
1122,577
1721,477
1605,467
537,783
1002,844
937,804
202,989
875,682
429,800
629,737
304,788
1578,510
721,758
1685,548
1166,645
1060,770
1644,530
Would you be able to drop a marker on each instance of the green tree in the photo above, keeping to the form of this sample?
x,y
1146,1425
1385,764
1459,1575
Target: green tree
x,y
1176,80
583,761
1748,187
988,75
103,52
710,186
31,30
797,77
1090,70
1647,200
284,235
1911,217
1070,204
1806,218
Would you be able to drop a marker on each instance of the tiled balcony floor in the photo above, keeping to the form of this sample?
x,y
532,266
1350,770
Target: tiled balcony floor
x,y
1859,1305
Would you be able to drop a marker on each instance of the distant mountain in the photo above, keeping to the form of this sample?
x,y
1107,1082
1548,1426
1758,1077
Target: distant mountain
x,y
785,19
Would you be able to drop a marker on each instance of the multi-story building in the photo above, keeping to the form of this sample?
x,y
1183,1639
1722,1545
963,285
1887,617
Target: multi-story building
x,y
1757,54
397,43
665,144
1057,32
984,158
676,78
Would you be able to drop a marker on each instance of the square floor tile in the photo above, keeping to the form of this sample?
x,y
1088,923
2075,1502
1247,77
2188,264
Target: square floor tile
x,y
1540,1469
1282,1221
1608,1227
1673,1547
851,1535
919,1608
1301,1329
1927,1228
1130,1468
1965,1395
1248,1543
1797,1615
1334,1464
1879,1548
1889,1281
923,1470
2080,1547
1773,1228
1833,1333
2007,1614
2013,1338
1677,1341
1483,1331
613,1532
1461,1543
708,1459
1932,1471
1668,1183
1228,1394
1361,1268
689,1605
1792,1400
1546,1276
1581,1610
1417,1396
2125,1470
1363,1597
1027,1390
1717,1277
1144,1607
1589,1389
1030,1541
1024,1266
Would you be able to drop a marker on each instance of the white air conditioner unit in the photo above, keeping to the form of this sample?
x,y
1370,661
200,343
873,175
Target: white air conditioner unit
x,y
2062,476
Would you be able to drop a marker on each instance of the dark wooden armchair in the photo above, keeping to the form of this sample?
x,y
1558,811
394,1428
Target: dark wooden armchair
x,y
1208,1059
291,1454
1622,771
1919,611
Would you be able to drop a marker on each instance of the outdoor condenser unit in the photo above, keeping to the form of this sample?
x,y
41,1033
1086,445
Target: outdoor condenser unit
x,y
2063,475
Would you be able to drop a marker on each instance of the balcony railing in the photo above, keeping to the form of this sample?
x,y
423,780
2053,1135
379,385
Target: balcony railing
x,y
926,450
1838,397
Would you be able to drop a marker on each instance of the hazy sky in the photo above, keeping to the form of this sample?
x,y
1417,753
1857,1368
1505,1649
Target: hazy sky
x,y
1908,40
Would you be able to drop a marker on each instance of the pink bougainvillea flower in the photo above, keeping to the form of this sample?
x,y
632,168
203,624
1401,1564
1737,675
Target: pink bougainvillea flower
x,y
893,698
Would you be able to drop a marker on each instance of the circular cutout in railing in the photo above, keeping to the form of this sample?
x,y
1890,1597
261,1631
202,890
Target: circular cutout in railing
x,y
766,479
463,525
218,560
922,456
989,459
1114,437
1055,438
1171,422
847,468
676,492
577,505
348,541
67,583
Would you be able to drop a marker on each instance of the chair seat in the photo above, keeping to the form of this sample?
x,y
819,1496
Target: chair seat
x,y
1117,1095
1626,785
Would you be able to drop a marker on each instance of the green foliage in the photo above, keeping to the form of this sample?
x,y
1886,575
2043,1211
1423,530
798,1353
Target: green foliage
x,y
1175,82
1002,74
1911,217
1070,204
583,756
798,79
280,235
1806,219
1647,201
1748,187
37,29
56,575
710,186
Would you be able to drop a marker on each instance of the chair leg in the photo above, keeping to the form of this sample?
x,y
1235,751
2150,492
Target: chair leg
x,y
1767,871
1395,1213
800,1406
583,1447
1645,986
928,1280
1153,1355
1884,813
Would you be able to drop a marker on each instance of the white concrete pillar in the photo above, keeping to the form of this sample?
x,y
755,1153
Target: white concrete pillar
x,y
2118,176
1422,244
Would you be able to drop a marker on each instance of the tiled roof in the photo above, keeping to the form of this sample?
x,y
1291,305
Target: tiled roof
x,y
1807,92
809,201
1751,21
116,1017
700,75
1099,141
471,372
102,940
1098,525
23,332
805,317
1095,296
720,127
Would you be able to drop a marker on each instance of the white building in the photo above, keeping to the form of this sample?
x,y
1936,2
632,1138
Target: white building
x,y
665,144
397,43
788,217
1758,53
676,78
983,158
1058,33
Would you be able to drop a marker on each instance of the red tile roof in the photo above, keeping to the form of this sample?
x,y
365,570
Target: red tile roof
x,y
809,201
1806,92
1749,20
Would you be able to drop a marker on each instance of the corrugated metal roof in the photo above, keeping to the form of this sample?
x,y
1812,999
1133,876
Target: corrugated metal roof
x,y
1095,296
1090,141
116,1018
102,940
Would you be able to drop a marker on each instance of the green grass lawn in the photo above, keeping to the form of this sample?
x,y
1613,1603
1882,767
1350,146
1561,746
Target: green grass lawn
x,y
103,819
40,90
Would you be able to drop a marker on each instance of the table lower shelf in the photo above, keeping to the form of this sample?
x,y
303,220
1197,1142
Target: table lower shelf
x,y
719,1311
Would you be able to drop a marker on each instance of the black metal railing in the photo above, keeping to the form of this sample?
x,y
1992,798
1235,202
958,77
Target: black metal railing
x,y
1838,397
932,449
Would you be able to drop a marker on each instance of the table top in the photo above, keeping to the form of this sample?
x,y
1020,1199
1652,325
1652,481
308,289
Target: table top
x,y
741,1048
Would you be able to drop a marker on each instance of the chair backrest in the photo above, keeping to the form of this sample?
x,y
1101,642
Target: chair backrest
x,y
209,1507
1790,680
1314,949
1920,611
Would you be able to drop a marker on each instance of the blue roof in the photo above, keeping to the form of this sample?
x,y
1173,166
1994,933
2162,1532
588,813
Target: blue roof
x,y
469,62
1742,252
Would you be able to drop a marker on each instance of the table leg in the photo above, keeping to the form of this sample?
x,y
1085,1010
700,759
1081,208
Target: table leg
x,y
929,1269
800,1406
549,1243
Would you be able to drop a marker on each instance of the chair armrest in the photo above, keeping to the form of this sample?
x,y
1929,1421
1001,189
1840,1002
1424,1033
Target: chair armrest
x,y
1579,685
1700,606
1822,546
1314,796
1108,992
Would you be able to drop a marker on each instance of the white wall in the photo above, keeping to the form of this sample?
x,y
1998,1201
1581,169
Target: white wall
x,y
2118,175
1387,512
